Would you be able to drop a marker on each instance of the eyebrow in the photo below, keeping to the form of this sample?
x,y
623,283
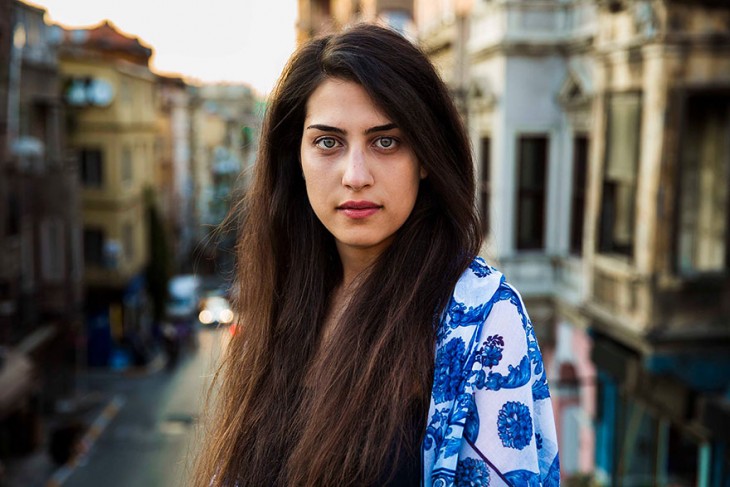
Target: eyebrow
x,y
371,130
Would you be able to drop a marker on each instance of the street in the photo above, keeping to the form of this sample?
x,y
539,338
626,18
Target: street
x,y
150,441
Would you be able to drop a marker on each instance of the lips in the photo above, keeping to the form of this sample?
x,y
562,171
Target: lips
x,y
359,209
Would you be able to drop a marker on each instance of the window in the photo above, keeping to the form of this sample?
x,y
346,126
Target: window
x,y
93,247
484,184
619,179
704,199
128,237
127,174
580,169
532,154
53,250
92,167
12,221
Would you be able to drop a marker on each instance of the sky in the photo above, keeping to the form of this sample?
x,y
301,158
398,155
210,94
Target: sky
x,y
206,40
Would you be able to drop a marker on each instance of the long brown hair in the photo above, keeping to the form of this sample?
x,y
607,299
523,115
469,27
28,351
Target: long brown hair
x,y
284,416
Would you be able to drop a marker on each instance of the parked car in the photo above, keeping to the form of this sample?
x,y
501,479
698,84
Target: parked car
x,y
181,313
215,310
184,292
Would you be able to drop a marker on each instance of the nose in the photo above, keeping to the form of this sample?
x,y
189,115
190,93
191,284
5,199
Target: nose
x,y
357,174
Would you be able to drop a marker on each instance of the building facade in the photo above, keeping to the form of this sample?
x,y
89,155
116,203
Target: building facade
x,y
530,95
658,241
41,267
600,132
226,122
318,17
174,168
110,94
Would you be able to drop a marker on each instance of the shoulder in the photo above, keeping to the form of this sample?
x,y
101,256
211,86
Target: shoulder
x,y
477,284
480,291
486,311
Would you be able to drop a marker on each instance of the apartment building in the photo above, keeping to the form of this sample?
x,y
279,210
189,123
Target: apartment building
x,y
110,92
226,121
41,267
658,242
600,132
174,173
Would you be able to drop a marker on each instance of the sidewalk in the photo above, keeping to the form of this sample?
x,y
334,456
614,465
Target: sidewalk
x,y
94,409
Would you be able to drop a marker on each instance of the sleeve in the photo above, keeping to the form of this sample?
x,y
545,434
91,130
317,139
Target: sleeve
x,y
509,433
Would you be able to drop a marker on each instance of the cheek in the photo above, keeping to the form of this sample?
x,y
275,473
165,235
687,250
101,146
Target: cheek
x,y
315,184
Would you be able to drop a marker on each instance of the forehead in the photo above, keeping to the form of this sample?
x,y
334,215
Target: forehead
x,y
338,103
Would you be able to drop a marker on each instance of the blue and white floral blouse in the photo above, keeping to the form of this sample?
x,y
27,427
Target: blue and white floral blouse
x,y
490,421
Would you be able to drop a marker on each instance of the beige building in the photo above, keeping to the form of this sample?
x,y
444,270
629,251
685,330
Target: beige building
x,y
658,240
110,94
317,17
442,29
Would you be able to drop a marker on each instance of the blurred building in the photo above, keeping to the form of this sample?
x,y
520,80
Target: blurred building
x,y
318,17
41,267
226,122
529,95
521,75
601,133
174,169
443,29
657,242
110,94
6,43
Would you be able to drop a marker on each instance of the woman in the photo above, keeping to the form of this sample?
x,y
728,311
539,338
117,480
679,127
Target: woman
x,y
356,263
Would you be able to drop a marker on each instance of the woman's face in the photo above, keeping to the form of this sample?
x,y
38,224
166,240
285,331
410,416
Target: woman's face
x,y
362,177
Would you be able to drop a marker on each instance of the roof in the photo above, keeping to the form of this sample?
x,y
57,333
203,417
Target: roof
x,y
106,38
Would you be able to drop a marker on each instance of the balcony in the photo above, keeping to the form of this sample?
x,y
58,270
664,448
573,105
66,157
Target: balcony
x,y
536,22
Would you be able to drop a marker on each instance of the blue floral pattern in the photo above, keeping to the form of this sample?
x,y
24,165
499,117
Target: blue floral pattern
x,y
489,380
471,473
480,268
447,371
515,425
491,352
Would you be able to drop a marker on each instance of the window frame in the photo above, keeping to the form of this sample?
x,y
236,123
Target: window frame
x,y
684,101
536,194
485,187
98,231
579,195
86,178
606,244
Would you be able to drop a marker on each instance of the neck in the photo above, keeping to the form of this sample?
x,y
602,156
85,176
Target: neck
x,y
355,262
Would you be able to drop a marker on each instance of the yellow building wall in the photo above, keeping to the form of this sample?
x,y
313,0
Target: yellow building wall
x,y
128,124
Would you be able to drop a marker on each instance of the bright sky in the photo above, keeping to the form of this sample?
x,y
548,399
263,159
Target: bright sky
x,y
208,40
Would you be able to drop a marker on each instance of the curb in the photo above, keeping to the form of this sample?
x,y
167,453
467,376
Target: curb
x,y
87,441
